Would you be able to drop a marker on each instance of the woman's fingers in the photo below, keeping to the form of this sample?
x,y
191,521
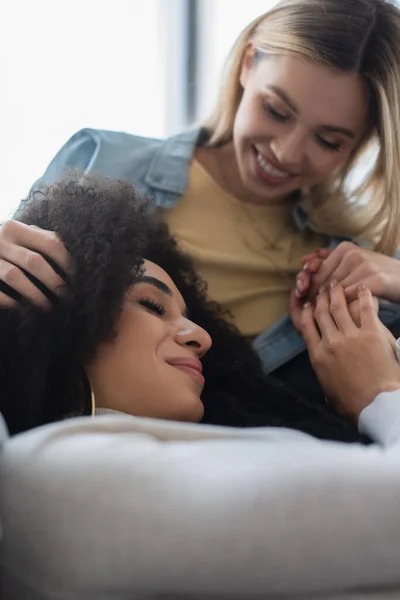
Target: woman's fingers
x,y
318,253
368,317
339,308
45,242
374,282
15,279
323,317
303,280
308,328
325,273
7,302
313,265
308,257
331,314
36,239
351,292
21,258
323,252
330,267
33,263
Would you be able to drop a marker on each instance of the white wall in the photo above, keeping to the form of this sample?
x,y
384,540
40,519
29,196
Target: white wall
x,y
68,64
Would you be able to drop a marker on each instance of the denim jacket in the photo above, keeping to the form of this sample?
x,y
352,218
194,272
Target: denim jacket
x,y
160,169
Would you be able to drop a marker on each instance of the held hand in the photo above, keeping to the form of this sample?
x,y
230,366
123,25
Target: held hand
x,y
296,304
318,253
351,265
354,364
21,247
311,264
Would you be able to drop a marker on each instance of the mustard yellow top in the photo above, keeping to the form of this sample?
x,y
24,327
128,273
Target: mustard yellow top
x,y
248,254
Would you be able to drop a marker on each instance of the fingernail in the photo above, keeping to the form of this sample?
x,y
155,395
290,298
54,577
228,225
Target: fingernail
x,y
306,266
333,284
306,305
322,289
362,287
300,285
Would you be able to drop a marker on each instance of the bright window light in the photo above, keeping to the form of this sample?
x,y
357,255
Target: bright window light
x,y
68,64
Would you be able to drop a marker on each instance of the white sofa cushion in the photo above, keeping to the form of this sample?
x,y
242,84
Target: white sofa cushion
x,y
121,508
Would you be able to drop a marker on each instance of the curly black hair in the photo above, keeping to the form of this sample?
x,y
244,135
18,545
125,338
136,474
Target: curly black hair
x,y
108,228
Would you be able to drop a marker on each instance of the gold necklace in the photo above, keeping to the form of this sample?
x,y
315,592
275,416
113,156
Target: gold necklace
x,y
267,251
268,244
223,181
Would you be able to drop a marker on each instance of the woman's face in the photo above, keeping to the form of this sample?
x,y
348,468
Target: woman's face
x,y
152,368
296,124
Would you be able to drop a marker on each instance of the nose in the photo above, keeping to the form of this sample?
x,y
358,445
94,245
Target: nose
x,y
289,147
193,336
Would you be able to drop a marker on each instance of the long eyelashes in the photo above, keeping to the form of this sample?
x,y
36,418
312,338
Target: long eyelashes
x,y
275,114
153,306
328,145
281,118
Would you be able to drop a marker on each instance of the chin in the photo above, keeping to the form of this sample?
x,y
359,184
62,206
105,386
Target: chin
x,y
196,414
192,412
269,192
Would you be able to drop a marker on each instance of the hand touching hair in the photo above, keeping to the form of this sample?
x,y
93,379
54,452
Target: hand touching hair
x,y
103,224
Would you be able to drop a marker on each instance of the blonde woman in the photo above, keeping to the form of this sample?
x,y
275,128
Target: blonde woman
x,y
311,90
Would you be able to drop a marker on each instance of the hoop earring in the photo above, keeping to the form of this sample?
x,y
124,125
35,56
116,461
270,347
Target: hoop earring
x,y
93,402
89,399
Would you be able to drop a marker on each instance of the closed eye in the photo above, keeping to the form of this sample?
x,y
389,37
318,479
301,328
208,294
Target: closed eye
x,y
152,306
276,115
329,145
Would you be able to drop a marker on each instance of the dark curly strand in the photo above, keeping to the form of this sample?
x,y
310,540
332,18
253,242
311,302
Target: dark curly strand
x,y
107,228
103,224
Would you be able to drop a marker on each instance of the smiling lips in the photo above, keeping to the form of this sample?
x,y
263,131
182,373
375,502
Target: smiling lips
x,y
269,172
190,366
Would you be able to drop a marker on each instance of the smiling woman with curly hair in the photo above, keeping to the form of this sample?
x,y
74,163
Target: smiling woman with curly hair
x,y
136,333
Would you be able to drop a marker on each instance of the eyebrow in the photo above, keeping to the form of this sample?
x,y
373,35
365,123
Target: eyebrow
x,y
157,283
342,130
283,95
328,128
163,287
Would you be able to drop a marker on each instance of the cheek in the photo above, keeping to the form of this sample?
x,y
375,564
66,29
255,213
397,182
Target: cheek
x,y
250,120
116,372
324,163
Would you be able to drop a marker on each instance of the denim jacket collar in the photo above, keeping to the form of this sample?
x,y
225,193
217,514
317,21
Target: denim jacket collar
x,y
168,171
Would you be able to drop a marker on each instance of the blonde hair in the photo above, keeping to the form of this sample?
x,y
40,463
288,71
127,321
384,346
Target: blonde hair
x,y
361,36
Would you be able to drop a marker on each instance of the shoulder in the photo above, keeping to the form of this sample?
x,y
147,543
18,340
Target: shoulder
x,y
113,140
119,154
110,152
